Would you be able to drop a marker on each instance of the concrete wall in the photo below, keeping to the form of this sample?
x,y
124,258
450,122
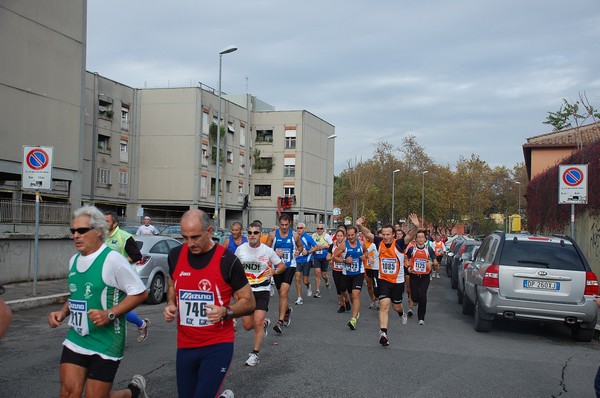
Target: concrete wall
x,y
17,254
587,236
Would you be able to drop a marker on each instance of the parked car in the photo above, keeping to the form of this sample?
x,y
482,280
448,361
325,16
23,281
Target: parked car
x,y
466,258
153,268
172,231
132,229
465,246
449,255
531,277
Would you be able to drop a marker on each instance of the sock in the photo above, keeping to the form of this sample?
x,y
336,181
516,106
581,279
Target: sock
x,y
384,330
135,391
255,352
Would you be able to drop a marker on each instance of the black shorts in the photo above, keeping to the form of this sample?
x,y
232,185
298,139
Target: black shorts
x,y
321,263
286,277
353,282
390,290
372,273
304,268
99,369
262,300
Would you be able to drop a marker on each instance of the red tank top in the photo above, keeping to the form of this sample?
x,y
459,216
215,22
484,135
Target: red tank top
x,y
195,289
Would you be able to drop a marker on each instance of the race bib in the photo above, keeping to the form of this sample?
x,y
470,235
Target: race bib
x,y
319,252
192,307
78,318
388,266
353,267
286,256
420,265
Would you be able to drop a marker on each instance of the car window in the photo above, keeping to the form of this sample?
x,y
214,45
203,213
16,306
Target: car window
x,y
160,248
541,255
172,244
489,256
483,249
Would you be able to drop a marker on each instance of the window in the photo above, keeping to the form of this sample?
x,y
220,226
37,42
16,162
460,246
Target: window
x,y
125,118
264,135
105,108
262,190
290,139
242,165
242,135
103,176
204,159
203,188
289,170
123,151
289,190
229,157
103,142
123,177
213,184
230,128
228,186
205,124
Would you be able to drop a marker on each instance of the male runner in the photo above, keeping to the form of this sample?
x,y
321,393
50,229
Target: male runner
x,y
350,252
233,241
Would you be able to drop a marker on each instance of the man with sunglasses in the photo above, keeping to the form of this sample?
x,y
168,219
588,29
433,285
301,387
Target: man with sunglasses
x,y
257,258
104,287
320,263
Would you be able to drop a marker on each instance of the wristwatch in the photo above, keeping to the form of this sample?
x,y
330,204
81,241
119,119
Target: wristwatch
x,y
111,316
228,314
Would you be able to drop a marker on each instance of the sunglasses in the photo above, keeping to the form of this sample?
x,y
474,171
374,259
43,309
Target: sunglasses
x,y
80,231
253,232
319,228
300,228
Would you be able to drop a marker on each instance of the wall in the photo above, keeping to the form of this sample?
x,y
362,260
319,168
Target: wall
x,y
17,252
587,236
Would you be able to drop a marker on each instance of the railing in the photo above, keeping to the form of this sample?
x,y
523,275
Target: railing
x,y
12,211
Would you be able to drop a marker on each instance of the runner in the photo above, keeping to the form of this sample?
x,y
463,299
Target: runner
x,y
257,259
439,248
391,275
304,262
287,245
337,268
423,258
371,263
350,252
233,241
323,240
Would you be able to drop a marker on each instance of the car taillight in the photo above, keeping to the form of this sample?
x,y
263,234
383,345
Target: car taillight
x,y
591,284
143,261
491,278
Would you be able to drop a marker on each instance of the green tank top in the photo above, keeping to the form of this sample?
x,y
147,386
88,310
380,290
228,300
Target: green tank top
x,y
88,291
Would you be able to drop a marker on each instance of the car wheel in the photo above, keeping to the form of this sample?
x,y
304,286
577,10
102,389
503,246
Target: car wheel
x,y
481,325
581,334
467,306
460,296
157,290
448,270
453,282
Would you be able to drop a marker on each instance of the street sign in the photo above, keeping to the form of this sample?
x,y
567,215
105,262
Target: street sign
x,y
572,184
37,167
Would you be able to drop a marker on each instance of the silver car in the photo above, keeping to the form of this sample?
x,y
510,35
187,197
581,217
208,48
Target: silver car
x,y
531,277
153,268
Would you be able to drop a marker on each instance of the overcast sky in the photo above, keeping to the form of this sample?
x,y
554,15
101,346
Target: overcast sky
x,y
463,76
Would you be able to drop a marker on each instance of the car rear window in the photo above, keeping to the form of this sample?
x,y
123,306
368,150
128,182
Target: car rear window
x,y
541,255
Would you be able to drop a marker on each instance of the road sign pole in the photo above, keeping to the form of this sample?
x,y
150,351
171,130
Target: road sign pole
x,y
572,220
36,241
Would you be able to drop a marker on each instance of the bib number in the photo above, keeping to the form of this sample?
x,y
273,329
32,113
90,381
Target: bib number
x,y
286,256
78,318
388,266
192,307
353,267
420,266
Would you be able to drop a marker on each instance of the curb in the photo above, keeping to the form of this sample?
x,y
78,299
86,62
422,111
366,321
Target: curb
x,y
35,302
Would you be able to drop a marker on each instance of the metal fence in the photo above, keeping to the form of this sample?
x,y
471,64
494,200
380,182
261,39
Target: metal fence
x,y
23,212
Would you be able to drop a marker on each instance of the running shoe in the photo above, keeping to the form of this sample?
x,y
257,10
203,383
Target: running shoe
x,y
266,324
404,318
299,301
309,292
437,275
227,394
372,305
342,309
286,319
421,322
352,323
140,382
383,339
317,294
278,327
143,331
348,306
253,359
377,304
271,290
410,313
327,284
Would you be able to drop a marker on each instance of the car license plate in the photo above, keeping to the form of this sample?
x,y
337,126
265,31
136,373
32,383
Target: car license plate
x,y
543,285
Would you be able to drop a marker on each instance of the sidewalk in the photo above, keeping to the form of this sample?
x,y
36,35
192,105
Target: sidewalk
x,y
19,296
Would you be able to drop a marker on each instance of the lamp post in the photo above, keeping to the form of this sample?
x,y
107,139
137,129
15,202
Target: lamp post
x,y
423,197
226,50
331,137
519,184
393,192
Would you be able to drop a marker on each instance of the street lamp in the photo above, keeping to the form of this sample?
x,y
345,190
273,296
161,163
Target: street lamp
x,y
423,198
331,137
226,50
393,192
519,184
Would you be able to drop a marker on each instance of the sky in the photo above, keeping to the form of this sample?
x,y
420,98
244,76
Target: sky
x,y
464,76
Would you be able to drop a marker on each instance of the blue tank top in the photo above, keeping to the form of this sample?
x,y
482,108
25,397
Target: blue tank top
x,y
287,245
356,267
232,246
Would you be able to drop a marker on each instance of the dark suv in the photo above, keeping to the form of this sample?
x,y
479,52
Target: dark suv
x,y
531,277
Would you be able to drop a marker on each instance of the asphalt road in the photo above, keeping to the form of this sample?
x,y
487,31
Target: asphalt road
x,y
318,355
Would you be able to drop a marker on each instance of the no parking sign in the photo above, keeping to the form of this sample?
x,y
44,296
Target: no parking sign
x,y
572,184
37,167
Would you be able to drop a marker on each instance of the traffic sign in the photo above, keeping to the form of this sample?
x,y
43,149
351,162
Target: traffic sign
x,y
572,184
37,167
